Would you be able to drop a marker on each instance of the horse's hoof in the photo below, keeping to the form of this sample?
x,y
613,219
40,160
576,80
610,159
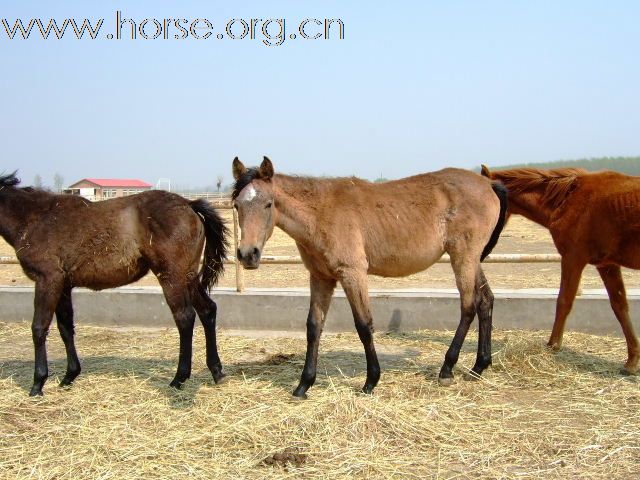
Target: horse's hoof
x,y
555,347
629,370
176,384
220,379
445,381
472,376
367,389
36,392
300,394
65,383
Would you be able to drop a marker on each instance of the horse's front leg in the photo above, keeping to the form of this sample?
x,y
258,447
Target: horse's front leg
x,y
321,293
571,271
47,294
64,319
355,287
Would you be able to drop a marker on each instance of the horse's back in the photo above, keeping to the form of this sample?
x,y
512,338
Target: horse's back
x,y
603,216
406,225
608,198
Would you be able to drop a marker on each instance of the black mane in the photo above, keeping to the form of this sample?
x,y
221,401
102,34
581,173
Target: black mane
x,y
250,175
9,180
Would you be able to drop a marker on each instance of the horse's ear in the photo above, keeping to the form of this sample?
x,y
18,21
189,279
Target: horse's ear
x,y
238,169
266,169
484,171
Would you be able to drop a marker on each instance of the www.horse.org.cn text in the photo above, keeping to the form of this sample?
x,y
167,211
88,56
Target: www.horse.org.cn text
x,y
271,32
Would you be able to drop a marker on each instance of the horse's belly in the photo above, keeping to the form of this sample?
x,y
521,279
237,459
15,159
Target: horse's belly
x,y
397,265
108,271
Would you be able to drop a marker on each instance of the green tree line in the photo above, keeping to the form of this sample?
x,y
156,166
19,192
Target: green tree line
x,y
628,165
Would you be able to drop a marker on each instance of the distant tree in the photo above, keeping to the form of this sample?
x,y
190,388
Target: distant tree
x,y
58,182
219,182
380,180
37,181
628,165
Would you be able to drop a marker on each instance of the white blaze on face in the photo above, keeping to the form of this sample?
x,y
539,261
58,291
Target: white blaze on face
x,y
247,194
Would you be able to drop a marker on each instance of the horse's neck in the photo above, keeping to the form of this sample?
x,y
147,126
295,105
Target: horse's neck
x,y
530,205
295,215
15,209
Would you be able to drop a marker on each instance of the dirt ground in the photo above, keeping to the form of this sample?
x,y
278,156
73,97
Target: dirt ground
x,y
519,236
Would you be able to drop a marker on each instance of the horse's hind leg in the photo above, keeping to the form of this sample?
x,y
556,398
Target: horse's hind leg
x,y
321,293
64,319
355,287
484,307
612,278
46,298
207,310
179,300
465,279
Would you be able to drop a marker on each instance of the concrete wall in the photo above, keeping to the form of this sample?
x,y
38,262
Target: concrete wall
x,y
270,309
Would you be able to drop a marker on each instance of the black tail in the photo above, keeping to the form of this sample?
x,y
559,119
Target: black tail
x,y
502,193
216,247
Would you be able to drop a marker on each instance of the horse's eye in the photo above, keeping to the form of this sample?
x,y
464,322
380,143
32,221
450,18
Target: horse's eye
x,y
268,205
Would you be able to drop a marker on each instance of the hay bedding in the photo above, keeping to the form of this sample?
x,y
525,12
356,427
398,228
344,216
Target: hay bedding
x,y
536,414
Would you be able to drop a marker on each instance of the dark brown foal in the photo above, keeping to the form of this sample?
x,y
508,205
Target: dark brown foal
x,y
65,241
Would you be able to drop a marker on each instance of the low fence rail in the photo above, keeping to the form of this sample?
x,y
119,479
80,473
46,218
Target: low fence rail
x,y
224,204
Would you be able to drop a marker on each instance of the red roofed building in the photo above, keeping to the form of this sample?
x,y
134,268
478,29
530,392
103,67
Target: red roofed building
x,y
105,188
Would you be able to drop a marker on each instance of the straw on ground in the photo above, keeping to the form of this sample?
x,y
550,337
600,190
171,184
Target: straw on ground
x,y
536,414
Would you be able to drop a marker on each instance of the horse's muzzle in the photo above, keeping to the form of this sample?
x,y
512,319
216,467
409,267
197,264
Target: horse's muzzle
x,y
250,258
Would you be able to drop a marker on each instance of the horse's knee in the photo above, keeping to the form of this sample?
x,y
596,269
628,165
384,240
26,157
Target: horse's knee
x,y
487,299
621,309
39,333
185,319
314,329
364,329
208,308
564,304
213,307
468,314
208,320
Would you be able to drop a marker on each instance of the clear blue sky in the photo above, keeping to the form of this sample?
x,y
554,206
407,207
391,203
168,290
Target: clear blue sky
x,y
413,87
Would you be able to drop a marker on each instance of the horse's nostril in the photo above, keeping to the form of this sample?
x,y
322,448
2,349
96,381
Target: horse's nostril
x,y
256,252
239,254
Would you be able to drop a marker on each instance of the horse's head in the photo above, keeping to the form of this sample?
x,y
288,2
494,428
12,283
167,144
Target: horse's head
x,y
253,199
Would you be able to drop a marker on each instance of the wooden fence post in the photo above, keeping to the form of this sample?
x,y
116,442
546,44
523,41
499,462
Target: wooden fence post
x,y
239,269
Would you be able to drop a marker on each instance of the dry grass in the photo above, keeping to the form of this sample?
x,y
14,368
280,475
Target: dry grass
x,y
536,414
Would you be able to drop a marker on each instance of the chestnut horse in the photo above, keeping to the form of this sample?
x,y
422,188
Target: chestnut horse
x,y
593,218
65,241
346,228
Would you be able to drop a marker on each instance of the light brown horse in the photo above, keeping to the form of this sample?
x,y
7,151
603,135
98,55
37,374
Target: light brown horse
x,y
346,228
64,241
593,218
